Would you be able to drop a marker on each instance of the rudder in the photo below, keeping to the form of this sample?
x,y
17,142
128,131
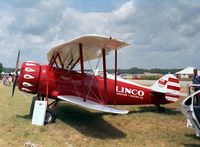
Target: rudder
x,y
169,85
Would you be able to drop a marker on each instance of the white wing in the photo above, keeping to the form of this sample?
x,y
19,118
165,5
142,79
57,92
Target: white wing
x,y
91,44
91,105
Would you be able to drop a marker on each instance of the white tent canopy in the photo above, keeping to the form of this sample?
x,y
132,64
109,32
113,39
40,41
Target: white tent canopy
x,y
186,71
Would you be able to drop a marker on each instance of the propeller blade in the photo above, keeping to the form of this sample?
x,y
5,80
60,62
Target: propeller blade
x,y
17,62
14,85
16,73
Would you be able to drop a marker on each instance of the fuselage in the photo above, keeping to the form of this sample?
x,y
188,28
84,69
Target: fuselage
x,y
53,82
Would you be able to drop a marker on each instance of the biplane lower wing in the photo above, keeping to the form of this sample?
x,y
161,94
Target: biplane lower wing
x,y
91,105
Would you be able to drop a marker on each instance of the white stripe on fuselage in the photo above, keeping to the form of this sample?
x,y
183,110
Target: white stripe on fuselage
x,y
125,81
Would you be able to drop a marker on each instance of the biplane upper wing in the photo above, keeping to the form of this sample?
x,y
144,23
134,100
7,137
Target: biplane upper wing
x,y
91,45
91,104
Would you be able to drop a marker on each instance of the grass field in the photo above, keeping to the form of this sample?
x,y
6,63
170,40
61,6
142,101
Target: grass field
x,y
74,126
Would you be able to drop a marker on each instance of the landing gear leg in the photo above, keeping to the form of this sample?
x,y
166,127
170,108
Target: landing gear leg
x,y
160,109
50,116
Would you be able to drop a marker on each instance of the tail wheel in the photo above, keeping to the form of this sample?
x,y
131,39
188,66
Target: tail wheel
x,y
32,105
161,109
50,116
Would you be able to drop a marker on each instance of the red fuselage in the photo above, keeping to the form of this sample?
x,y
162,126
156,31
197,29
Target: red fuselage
x,y
53,82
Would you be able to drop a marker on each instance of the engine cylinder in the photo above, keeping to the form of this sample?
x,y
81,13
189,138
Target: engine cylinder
x,y
29,77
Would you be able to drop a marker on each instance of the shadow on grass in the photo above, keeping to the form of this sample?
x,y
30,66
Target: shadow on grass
x,y
88,123
26,116
193,136
191,145
168,111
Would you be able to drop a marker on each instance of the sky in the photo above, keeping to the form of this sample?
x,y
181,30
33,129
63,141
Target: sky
x,y
161,33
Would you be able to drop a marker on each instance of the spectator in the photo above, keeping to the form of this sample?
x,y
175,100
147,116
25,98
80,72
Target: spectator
x,y
196,80
9,80
4,80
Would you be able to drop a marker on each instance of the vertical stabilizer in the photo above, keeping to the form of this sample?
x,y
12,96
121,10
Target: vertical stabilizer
x,y
169,85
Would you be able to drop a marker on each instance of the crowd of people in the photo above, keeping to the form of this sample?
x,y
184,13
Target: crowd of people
x,y
7,80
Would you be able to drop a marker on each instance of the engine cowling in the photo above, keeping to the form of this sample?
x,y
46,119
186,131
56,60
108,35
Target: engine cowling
x,y
29,77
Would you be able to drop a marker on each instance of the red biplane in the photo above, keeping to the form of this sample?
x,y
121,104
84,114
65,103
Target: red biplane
x,y
59,81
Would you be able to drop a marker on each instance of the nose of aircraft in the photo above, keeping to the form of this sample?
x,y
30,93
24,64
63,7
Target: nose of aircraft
x,y
29,76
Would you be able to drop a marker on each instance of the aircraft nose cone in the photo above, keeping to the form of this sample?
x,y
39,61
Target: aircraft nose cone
x,y
29,77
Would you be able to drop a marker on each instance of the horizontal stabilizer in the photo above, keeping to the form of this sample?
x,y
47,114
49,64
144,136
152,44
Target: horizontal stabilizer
x,y
91,105
183,94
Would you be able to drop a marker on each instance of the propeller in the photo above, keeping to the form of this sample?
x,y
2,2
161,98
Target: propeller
x,y
16,73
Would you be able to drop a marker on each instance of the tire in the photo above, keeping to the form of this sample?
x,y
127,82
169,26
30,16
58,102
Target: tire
x,y
161,109
32,106
49,117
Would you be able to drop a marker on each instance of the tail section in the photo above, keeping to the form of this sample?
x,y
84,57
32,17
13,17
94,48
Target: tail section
x,y
169,85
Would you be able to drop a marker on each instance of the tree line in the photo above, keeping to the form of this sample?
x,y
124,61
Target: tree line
x,y
1,67
136,70
133,70
5,69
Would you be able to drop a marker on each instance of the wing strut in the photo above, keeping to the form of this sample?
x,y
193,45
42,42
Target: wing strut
x,y
54,58
104,75
82,70
74,64
115,77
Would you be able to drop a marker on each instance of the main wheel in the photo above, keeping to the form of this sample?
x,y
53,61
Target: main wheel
x,y
49,117
32,105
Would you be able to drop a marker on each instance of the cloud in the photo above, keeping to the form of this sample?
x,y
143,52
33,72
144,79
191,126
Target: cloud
x,y
37,18
161,33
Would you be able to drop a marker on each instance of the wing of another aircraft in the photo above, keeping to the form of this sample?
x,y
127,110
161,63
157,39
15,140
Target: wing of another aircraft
x,y
91,45
91,105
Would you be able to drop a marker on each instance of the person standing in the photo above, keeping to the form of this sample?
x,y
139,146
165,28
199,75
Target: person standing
x,y
196,80
4,80
9,80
